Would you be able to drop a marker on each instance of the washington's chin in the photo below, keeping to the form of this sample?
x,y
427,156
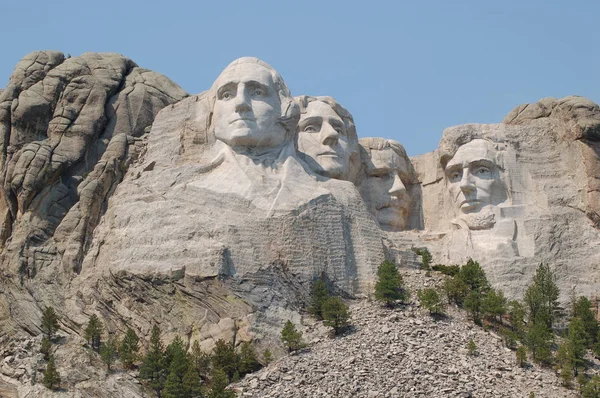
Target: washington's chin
x,y
250,137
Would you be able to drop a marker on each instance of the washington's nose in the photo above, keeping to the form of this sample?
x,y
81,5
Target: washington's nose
x,y
466,182
329,135
242,100
398,188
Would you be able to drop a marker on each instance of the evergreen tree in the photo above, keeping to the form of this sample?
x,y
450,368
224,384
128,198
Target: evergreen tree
x,y
431,300
46,348
425,257
577,341
319,293
456,290
49,321
471,347
267,356
109,352
248,359
474,277
153,369
336,314
389,286
225,358
173,386
521,356
192,384
200,361
494,305
592,388
219,385
516,314
51,375
128,351
539,340
473,304
582,309
541,297
291,338
93,332
177,364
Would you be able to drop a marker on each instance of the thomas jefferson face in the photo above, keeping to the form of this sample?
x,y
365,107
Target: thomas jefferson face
x,y
323,141
247,107
472,175
384,189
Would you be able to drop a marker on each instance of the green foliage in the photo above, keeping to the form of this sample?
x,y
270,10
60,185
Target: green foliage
x,y
516,314
425,257
592,388
267,356
93,332
248,359
389,286
473,304
51,375
200,360
474,277
521,356
46,347
539,339
493,305
456,290
291,338
225,358
566,375
49,321
336,314
471,347
192,384
153,366
431,299
577,341
541,297
450,270
128,351
109,352
582,309
318,295
219,385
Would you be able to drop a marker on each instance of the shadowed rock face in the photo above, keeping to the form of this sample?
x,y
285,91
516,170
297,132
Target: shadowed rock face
x,y
68,128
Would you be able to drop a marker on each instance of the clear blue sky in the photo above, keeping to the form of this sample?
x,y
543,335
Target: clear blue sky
x,y
404,69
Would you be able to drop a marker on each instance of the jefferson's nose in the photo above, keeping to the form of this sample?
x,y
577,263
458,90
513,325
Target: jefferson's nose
x,y
329,135
398,188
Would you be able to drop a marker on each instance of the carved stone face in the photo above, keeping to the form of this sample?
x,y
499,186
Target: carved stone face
x,y
384,188
323,141
472,175
247,107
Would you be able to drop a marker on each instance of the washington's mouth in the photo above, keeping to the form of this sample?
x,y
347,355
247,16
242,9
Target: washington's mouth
x,y
328,153
243,119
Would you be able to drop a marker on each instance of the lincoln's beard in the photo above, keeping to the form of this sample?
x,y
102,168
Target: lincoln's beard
x,y
484,219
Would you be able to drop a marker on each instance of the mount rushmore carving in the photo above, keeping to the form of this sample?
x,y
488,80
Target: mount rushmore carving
x,y
113,178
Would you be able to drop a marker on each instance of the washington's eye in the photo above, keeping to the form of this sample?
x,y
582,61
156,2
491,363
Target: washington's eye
x,y
259,92
226,95
309,129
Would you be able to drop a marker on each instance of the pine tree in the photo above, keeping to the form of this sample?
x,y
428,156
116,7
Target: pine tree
x,y
128,351
109,352
192,384
176,364
291,338
493,305
319,293
93,332
592,388
474,277
336,314
516,314
46,348
200,361
248,359
541,297
153,369
219,385
521,356
473,304
471,347
582,309
49,321
51,375
389,286
225,358
456,290
539,340
431,300
267,356
577,341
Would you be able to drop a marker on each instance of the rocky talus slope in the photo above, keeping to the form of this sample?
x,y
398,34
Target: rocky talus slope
x,y
403,352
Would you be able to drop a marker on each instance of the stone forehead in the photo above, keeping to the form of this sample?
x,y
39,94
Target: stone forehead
x,y
473,150
277,79
455,137
379,144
